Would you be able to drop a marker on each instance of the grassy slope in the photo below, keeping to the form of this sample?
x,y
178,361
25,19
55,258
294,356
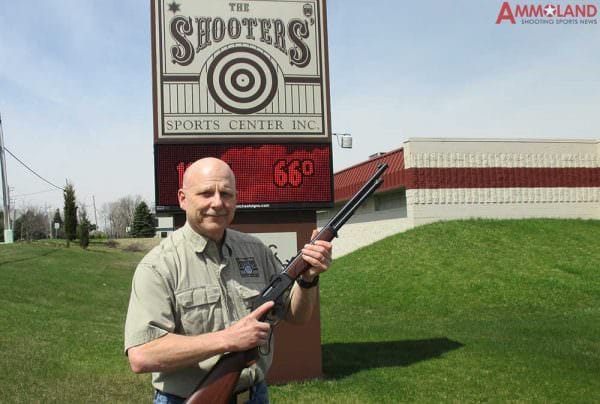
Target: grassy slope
x,y
61,314
460,311
464,311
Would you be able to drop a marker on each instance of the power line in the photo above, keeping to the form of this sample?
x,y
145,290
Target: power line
x,y
36,174
33,193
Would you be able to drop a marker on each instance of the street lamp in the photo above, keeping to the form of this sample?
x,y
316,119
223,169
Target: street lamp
x,y
344,140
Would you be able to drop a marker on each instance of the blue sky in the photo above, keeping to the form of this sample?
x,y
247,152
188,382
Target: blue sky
x,y
76,100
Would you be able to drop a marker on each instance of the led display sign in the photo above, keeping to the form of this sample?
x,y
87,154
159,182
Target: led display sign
x,y
267,175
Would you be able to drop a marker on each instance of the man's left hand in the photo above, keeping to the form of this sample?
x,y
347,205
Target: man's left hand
x,y
318,255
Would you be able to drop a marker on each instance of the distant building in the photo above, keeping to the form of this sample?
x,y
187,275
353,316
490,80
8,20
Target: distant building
x,y
442,179
164,225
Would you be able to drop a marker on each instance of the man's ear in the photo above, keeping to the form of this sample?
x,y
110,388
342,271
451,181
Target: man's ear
x,y
181,198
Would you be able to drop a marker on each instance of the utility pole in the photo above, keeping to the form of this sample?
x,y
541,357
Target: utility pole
x,y
95,215
8,233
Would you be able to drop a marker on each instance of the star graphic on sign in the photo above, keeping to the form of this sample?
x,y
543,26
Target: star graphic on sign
x,y
174,7
550,10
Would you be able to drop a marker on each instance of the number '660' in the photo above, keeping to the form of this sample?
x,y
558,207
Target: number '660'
x,y
292,173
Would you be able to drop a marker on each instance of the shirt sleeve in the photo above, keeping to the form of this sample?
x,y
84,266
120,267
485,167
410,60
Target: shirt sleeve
x,y
151,307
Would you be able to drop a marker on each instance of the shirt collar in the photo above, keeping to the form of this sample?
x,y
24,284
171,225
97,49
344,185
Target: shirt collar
x,y
199,242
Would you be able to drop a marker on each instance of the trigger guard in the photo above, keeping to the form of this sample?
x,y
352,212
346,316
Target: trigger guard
x,y
273,315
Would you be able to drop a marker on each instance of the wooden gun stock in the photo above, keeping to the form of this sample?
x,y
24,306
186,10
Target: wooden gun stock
x,y
219,384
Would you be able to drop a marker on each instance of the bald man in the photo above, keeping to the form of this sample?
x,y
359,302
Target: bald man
x,y
191,295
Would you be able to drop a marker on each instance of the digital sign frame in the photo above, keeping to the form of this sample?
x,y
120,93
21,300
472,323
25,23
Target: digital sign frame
x,y
247,82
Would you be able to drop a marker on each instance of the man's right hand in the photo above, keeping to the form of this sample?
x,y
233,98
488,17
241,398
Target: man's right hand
x,y
249,332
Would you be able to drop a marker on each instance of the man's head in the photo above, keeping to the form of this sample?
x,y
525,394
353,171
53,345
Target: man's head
x,y
208,197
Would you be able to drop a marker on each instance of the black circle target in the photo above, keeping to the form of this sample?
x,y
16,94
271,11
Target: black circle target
x,y
242,80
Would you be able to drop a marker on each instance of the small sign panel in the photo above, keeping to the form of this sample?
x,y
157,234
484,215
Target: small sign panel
x,y
267,175
284,245
240,70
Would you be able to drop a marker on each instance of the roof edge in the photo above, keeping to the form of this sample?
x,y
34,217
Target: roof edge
x,y
362,163
516,140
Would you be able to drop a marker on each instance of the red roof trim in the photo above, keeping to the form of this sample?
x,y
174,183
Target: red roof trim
x,y
348,181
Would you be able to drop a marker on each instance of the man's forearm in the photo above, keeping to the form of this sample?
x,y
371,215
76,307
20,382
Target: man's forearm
x,y
302,304
173,351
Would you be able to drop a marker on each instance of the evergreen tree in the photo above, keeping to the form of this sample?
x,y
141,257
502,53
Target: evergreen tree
x,y
143,221
57,219
84,229
70,213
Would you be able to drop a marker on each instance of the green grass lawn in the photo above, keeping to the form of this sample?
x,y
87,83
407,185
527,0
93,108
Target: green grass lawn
x,y
62,312
466,311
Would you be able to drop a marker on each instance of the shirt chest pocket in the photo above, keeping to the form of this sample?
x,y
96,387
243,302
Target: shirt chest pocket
x,y
245,296
200,310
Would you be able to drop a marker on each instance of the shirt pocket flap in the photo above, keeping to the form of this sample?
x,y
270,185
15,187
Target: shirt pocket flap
x,y
213,294
198,297
247,293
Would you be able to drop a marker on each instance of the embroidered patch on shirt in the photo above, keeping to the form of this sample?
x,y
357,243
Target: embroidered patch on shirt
x,y
248,267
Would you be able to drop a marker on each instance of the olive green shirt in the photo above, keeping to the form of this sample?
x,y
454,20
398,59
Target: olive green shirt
x,y
185,286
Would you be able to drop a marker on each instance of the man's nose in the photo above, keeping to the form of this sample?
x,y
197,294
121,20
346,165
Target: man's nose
x,y
216,199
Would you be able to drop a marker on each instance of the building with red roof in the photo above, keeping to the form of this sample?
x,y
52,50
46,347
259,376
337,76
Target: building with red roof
x,y
443,179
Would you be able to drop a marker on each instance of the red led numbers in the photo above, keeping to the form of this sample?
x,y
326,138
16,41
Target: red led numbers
x,y
292,173
181,167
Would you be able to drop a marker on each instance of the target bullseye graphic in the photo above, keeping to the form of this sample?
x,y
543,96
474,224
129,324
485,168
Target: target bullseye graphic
x,y
242,80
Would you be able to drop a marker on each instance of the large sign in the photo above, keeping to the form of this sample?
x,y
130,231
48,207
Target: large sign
x,y
241,71
267,175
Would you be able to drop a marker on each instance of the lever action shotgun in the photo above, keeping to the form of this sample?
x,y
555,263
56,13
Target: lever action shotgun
x,y
218,385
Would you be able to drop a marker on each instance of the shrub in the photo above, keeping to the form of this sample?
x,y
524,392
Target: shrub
x,y
134,247
111,243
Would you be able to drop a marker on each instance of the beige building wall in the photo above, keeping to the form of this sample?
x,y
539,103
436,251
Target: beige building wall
x,y
367,227
379,217
429,205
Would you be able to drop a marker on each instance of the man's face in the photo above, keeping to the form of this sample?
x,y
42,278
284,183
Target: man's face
x,y
209,200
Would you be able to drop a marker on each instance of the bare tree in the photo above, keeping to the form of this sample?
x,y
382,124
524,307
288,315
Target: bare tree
x,y
32,224
119,215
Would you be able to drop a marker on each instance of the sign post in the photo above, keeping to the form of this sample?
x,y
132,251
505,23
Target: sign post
x,y
247,82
